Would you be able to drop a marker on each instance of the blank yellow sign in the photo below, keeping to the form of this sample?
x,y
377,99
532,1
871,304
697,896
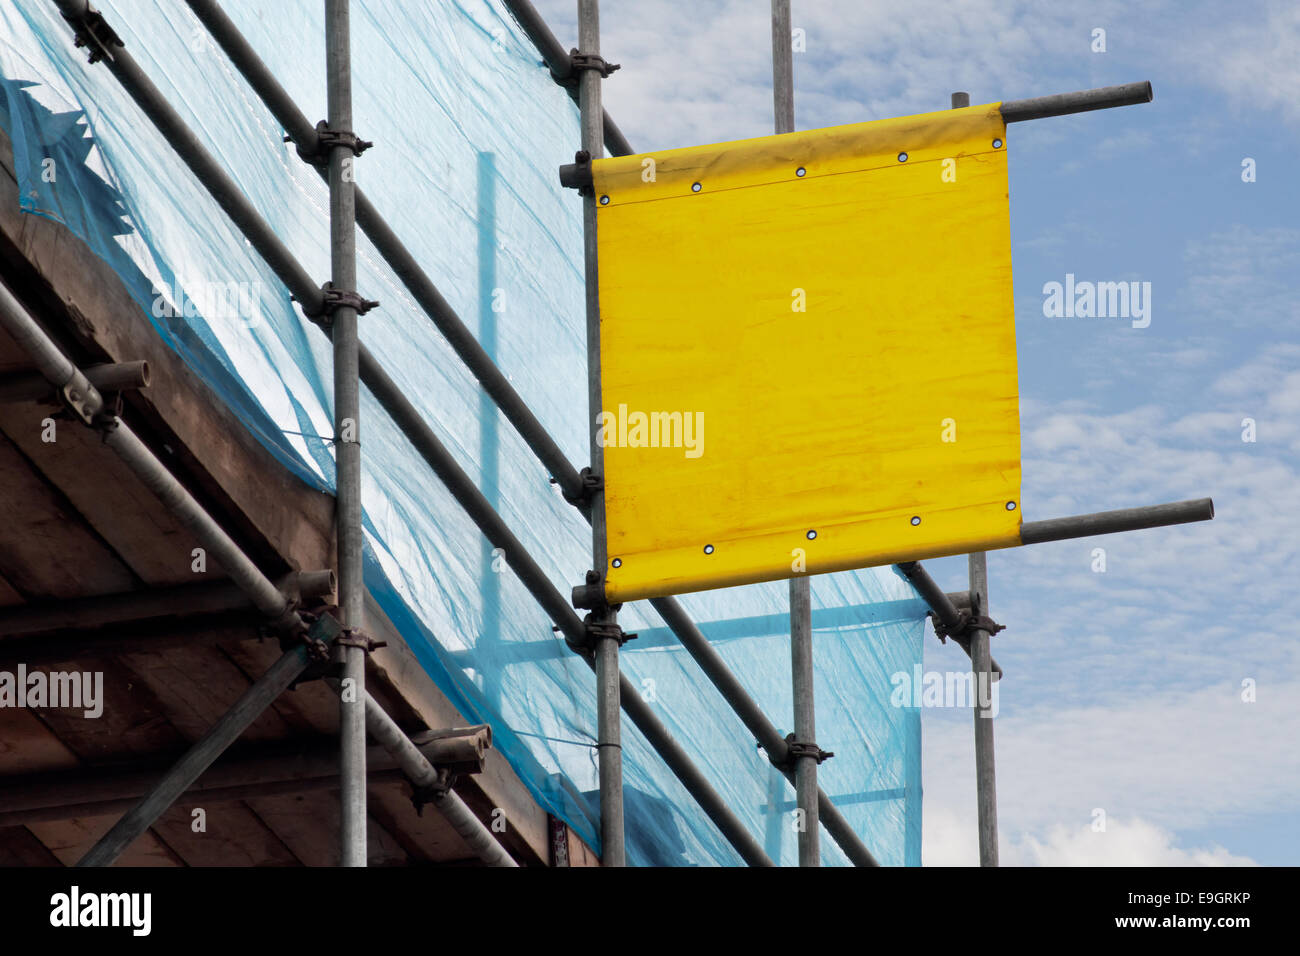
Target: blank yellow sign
x,y
807,353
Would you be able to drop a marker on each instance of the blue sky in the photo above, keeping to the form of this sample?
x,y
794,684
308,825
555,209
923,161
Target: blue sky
x,y
1124,687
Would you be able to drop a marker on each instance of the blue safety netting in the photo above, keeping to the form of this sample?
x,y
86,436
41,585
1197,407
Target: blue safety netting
x,y
469,130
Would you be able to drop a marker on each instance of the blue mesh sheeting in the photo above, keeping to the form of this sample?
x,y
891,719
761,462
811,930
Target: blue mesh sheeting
x,y
469,130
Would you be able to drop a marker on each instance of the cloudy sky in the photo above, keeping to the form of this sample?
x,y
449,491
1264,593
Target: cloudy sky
x,y
1124,688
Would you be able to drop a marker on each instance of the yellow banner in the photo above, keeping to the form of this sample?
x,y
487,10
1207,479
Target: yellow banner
x,y
807,353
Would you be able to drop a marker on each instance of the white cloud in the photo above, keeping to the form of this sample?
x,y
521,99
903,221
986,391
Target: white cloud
x,y
1251,53
1131,843
1180,758
950,841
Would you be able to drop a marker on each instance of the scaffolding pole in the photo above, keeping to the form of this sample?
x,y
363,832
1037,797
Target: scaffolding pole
x,y
347,435
605,631
801,652
782,67
982,677
805,725
424,777
986,797
197,759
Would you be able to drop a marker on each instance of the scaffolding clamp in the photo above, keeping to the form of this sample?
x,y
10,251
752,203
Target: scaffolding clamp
x,y
599,631
594,631
326,140
451,753
432,792
591,595
93,32
591,483
965,623
577,174
355,637
333,299
578,62
323,629
798,749
82,401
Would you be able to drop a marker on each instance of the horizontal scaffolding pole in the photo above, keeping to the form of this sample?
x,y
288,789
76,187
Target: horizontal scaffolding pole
x,y
947,605
1112,522
1081,101
1039,532
35,387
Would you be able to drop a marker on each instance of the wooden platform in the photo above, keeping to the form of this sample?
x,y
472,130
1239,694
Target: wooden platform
x,y
76,524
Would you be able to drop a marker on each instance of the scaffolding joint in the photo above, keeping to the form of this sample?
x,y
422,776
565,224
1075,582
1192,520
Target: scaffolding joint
x,y
595,629
82,401
326,141
322,631
333,299
591,484
355,637
93,33
591,595
577,174
579,62
966,623
432,792
796,750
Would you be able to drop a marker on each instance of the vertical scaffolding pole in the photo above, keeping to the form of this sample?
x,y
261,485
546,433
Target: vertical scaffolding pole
x,y
782,67
805,730
986,795
604,618
347,433
801,656
981,663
